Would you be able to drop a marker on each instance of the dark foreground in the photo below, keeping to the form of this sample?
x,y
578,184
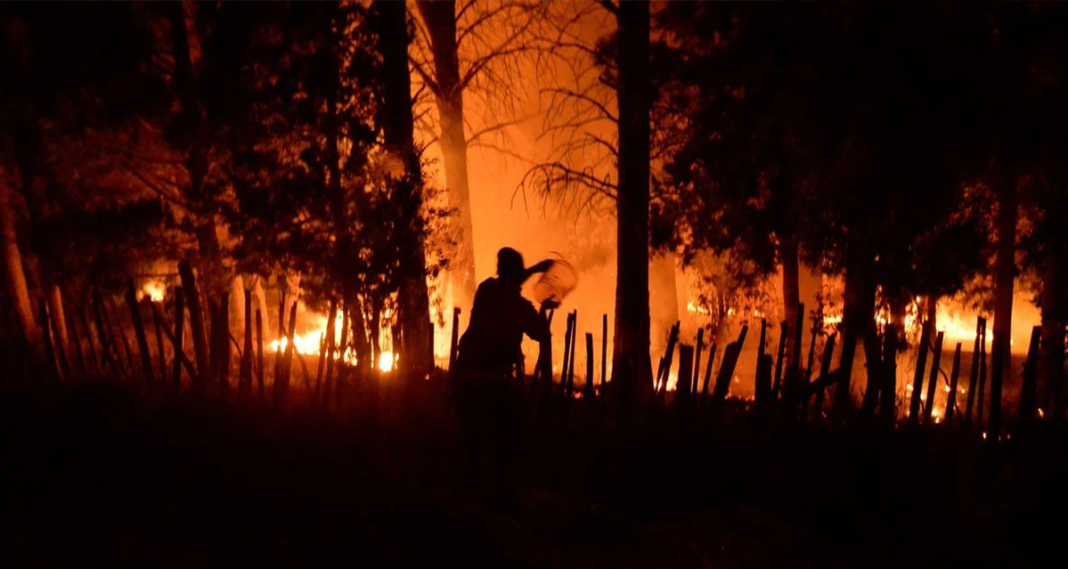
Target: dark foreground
x,y
95,476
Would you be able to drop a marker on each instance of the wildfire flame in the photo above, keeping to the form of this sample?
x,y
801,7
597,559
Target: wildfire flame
x,y
152,290
308,344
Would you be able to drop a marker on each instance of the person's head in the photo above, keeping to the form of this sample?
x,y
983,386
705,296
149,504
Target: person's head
x,y
510,265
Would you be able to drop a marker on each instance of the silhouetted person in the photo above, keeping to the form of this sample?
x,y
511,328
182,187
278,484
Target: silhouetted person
x,y
487,355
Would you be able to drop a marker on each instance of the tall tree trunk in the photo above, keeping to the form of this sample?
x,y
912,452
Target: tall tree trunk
x,y
1004,276
13,270
440,19
193,142
397,123
631,368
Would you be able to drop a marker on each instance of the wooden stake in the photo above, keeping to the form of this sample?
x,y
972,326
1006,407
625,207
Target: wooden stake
x,y
454,342
708,373
973,378
683,391
726,369
567,353
697,362
997,375
825,373
76,343
109,354
932,383
331,346
281,385
119,331
1029,390
981,403
161,352
762,378
96,362
320,365
244,376
180,360
604,351
49,347
951,397
139,332
223,369
588,391
178,340
784,336
571,364
196,325
917,378
669,358
278,371
259,353
888,399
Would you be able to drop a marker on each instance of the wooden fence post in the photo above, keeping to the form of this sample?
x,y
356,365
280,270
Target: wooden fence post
x,y
139,332
196,324
1029,390
917,378
259,353
683,393
973,377
951,397
932,384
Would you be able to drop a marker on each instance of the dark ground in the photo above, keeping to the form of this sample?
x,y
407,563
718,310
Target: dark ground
x,y
97,476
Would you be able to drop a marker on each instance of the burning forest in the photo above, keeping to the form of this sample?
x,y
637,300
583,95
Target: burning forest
x,y
471,276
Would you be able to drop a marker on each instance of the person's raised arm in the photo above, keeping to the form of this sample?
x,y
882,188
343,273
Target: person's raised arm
x,y
539,267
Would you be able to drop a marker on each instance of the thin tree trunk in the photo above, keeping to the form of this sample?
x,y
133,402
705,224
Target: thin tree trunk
x,y
398,123
631,369
440,19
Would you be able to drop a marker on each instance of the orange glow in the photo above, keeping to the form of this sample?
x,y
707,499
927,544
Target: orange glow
x,y
153,290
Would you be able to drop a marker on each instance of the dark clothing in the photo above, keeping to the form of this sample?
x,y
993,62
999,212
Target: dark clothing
x,y
499,319
486,394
